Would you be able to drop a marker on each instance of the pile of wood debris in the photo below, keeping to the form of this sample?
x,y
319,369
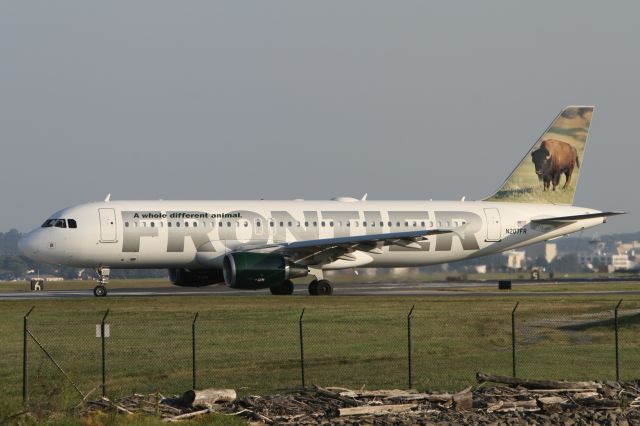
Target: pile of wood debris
x,y
520,401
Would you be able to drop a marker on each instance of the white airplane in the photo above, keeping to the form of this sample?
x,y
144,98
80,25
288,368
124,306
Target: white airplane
x,y
264,244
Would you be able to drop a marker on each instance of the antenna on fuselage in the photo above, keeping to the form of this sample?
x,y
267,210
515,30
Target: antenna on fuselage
x,y
108,198
364,197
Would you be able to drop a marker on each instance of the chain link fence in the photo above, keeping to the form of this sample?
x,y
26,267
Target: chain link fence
x,y
89,354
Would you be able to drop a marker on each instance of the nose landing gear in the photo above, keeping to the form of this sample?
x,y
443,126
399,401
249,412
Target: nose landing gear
x,y
103,278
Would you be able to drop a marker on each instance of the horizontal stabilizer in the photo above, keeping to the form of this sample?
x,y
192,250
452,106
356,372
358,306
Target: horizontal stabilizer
x,y
575,218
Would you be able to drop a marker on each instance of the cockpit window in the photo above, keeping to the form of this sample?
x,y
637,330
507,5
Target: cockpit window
x,y
49,223
61,223
72,223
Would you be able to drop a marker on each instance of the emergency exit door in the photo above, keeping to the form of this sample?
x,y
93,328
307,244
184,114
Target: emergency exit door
x,y
493,224
108,229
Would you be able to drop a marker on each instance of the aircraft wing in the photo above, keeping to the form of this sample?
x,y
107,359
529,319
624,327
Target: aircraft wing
x,y
326,250
564,220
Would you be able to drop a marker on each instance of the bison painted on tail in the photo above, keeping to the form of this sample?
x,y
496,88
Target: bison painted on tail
x,y
553,159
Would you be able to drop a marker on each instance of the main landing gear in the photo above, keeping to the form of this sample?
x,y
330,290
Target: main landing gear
x,y
283,289
320,288
103,278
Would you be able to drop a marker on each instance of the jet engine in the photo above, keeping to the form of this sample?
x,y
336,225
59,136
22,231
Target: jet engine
x,y
195,278
252,271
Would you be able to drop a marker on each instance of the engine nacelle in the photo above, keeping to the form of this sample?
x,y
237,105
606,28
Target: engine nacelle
x,y
252,271
195,278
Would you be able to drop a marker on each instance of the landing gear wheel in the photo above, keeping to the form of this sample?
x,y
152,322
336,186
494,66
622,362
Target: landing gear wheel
x,y
100,291
313,288
283,289
324,288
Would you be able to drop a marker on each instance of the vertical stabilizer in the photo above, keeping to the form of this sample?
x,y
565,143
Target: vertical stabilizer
x,y
549,173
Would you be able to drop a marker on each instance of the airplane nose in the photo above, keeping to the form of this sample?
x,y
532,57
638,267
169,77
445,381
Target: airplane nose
x,y
26,246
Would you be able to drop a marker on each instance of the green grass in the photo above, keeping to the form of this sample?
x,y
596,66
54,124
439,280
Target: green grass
x,y
252,343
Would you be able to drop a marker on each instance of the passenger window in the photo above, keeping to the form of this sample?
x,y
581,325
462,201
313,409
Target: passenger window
x,y
220,224
315,224
306,223
290,224
281,224
323,223
186,224
422,224
430,224
298,224
168,224
271,224
153,224
72,223
381,224
348,223
195,224
177,224
258,224
126,224
331,224
228,224
415,224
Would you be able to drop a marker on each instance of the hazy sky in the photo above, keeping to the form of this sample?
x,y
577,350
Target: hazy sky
x,y
298,99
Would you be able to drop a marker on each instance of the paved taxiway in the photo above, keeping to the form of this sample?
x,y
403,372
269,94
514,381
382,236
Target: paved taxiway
x,y
346,289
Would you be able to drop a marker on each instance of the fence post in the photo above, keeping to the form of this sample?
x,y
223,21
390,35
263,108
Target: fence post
x,y
302,349
409,362
25,357
104,354
615,327
513,339
193,352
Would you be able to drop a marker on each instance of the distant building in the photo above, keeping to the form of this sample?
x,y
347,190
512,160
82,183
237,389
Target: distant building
x,y
481,269
621,262
550,252
515,259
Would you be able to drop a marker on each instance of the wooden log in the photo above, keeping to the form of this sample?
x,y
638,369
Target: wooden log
x,y
187,416
502,406
599,403
555,391
376,409
463,400
208,397
443,398
536,384
349,401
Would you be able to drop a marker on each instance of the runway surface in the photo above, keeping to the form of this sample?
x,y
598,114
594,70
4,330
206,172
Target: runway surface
x,y
344,289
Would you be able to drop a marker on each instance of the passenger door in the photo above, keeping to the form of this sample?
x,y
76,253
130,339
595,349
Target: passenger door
x,y
493,224
108,228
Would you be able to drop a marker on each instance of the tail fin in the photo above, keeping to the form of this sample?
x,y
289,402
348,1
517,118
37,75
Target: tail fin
x,y
549,173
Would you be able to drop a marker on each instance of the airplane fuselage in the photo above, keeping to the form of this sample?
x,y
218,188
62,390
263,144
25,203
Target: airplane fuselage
x,y
197,234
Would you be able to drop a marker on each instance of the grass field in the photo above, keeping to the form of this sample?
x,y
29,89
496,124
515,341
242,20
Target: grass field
x,y
252,343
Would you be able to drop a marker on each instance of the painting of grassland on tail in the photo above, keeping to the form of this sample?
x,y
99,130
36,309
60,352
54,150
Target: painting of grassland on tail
x,y
549,172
